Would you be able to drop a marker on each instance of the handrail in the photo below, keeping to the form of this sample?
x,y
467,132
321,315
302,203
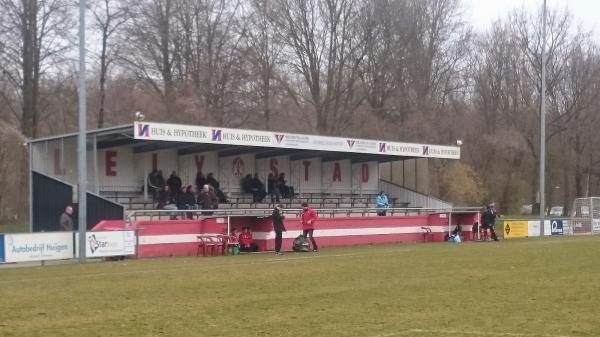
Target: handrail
x,y
324,211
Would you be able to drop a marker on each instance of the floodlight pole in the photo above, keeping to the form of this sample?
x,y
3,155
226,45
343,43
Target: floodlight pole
x,y
542,182
82,139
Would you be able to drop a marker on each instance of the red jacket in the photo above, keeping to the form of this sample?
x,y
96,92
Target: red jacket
x,y
246,239
306,216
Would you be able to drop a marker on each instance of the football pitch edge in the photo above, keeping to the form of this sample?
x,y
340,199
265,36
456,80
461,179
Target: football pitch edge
x,y
521,288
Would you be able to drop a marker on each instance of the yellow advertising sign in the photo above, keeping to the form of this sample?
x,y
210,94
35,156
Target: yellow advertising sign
x,y
516,229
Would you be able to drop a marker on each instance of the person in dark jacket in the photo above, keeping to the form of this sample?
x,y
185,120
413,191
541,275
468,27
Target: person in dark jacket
x,y
174,183
278,227
259,186
273,188
248,187
153,184
200,181
212,181
187,200
66,219
207,199
285,190
488,221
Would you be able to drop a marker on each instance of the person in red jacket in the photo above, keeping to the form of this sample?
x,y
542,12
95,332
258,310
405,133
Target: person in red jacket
x,y
308,217
246,241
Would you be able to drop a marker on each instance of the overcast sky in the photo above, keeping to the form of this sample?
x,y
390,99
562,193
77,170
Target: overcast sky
x,y
483,12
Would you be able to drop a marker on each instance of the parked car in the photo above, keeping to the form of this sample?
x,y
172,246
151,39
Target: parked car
x,y
556,211
527,209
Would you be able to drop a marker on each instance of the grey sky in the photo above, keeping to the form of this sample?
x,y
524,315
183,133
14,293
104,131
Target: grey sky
x,y
483,12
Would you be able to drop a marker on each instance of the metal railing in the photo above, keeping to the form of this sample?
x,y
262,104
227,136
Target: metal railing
x,y
263,212
413,198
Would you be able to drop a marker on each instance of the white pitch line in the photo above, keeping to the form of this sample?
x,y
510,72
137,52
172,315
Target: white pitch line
x,y
187,267
463,333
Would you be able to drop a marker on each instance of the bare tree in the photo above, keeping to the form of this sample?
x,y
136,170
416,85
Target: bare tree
x,y
325,45
148,46
212,59
109,16
35,37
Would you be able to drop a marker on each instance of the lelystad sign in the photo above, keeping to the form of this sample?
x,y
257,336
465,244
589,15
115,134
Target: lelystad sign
x,y
204,134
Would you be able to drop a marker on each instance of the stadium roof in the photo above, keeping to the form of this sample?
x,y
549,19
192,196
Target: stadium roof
x,y
187,139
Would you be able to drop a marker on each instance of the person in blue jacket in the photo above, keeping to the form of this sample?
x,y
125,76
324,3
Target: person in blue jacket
x,y
382,203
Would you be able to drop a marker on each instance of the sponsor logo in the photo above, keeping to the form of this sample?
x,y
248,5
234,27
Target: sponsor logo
x,y
143,130
217,135
382,147
425,150
279,138
350,143
94,243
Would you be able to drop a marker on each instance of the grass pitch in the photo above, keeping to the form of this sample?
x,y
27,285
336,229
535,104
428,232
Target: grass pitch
x,y
544,287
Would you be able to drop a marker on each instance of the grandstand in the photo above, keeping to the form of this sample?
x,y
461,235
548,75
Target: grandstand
x,y
339,176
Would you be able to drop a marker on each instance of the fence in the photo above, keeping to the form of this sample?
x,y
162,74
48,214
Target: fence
x,y
413,198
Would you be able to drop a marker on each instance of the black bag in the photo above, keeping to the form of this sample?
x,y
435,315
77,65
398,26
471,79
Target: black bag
x,y
301,244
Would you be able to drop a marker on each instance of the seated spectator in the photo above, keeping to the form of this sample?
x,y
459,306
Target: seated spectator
x,y
254,186
187,200
259,186
273,188
207,199
285,190
247,184
210,179
167,201
174,183
382,203
246,241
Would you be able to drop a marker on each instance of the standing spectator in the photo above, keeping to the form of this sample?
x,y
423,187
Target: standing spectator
x,y
160,180
66,219
200,180
278,227
382,203
153,184
246,241
488,220
308,217
273,188
174,183
207,199
210,179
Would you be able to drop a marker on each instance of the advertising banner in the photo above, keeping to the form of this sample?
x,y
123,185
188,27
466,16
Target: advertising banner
x,y
516,229
1,248
556,227
214,135
108,243
38,246
534,228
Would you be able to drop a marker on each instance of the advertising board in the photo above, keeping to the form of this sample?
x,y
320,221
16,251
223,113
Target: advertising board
x,y
38,246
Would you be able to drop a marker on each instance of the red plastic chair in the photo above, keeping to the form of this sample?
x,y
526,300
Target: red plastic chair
x,y
427,234
212,244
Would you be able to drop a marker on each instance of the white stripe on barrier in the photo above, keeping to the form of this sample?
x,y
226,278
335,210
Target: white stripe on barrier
x,y
190,238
